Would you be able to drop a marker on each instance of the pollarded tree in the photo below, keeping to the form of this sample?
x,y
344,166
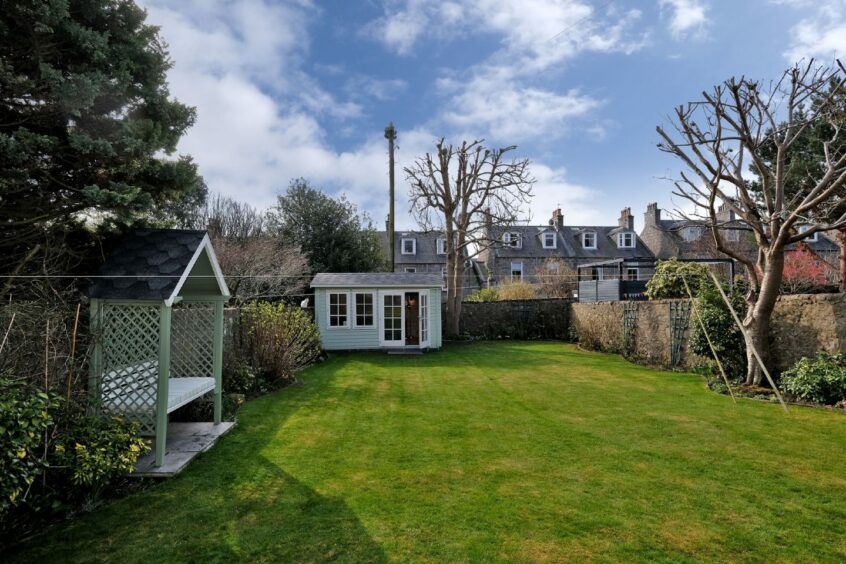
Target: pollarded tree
x,y
720,136
85,115
467,192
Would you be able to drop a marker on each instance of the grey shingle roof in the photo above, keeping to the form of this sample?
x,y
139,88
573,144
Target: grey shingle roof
x,y
569,243
427,247
376,279
146,264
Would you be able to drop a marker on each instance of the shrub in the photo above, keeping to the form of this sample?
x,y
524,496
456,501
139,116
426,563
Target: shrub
x,y
277,340
24,419
92,452
483,295
724,332
821,379
668,281
517,291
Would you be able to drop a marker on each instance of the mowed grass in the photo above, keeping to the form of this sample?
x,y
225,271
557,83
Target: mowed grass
x,y
484,452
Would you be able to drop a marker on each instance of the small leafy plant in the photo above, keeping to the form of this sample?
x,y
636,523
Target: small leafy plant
x,y
24,418
821,379
483,295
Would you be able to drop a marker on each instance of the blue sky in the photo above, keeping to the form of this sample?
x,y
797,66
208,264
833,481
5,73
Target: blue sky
x,y
285,89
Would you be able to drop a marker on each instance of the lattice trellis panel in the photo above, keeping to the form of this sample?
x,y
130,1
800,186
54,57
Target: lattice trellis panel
x,y
130,358
679,318
192,340
629,326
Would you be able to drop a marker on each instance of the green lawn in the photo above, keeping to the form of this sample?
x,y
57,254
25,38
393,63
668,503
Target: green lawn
x,y
491,451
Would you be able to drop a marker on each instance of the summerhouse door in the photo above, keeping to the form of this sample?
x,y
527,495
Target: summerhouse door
x,y
392,329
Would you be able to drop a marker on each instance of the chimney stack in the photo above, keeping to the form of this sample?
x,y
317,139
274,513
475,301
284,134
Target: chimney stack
x,y
626,220
652,215
557,220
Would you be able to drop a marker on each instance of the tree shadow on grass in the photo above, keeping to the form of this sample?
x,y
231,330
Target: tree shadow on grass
x,y
232,503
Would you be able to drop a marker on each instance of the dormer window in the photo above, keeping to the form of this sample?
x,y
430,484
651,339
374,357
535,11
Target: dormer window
x,y
441,246
549,241
589,240
409,246
691,233
625,240
512,239
813,238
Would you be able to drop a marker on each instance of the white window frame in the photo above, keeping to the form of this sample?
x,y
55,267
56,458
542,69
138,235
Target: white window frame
x,y
813,238
554,244
413,246
512,239
373,314
329,295
443,279
691,229
425,325
382,296
584,240
621,238
441,246
733,235
520,263
636,270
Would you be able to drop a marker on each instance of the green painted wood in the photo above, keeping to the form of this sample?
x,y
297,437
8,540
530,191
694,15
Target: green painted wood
x,y
201,280
96,366
367,338
164,374
218,361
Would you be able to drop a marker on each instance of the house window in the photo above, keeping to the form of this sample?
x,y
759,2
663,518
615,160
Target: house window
x,y
441,246
516,271
549,241
733,235
632,273
364,310
589,240
595,274
443,278
512,239
337,310
625,240
409,246
410,269
691,233
813,237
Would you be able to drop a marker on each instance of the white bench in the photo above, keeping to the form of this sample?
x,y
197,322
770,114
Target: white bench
x,y
133,389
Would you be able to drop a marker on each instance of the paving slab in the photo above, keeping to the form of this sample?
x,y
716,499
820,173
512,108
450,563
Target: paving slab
x,y
184,442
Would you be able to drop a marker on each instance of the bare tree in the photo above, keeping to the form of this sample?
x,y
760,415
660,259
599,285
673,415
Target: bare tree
x,y
557,279
720,137
463,192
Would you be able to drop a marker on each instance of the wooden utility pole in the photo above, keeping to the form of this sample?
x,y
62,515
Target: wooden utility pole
x,y
391,135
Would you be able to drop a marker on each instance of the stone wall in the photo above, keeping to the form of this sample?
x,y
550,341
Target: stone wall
x,y
805,324
802,325
516,319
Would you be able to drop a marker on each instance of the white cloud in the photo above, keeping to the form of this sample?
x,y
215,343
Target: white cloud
x,y
821,33
687,17
503,97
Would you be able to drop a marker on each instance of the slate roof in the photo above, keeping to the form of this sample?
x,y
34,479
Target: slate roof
x,y
569,243
427,247
376,279
146,264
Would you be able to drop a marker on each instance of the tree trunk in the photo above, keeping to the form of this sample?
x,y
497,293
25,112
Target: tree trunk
x,y
759,315
841,243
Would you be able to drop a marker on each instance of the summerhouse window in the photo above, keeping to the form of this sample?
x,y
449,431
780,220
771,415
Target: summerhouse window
x,y
364,310
337,309
625,240
409,246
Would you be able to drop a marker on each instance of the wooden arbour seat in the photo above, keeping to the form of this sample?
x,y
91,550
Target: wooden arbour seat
x,y
132,389
157,325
